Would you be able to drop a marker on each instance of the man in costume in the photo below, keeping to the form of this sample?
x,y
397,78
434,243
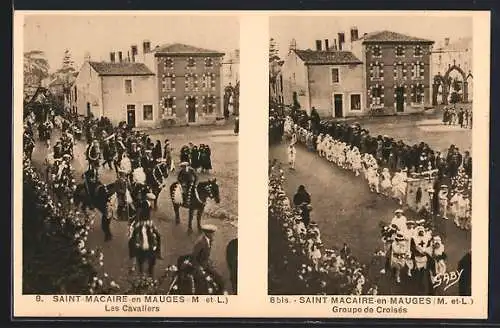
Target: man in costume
x,y
93,154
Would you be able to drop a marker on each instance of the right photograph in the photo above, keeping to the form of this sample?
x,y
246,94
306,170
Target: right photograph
x,y
370,155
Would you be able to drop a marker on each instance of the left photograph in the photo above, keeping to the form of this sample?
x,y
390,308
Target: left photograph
x,y
130,154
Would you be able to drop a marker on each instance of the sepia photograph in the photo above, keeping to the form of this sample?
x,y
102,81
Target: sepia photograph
x,y
130,154
370,155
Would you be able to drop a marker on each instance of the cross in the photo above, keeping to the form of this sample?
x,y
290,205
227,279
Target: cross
x,y
454,62
421,244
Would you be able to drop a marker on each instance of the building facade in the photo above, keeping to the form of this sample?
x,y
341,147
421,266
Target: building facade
x,y
231,68
329,80
188,83
120,91
276,81
397,71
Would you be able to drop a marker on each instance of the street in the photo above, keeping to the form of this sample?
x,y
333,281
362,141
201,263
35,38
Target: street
x,y
347,212
175,239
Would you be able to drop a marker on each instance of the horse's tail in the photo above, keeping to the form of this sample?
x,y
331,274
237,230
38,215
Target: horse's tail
x,y
176,193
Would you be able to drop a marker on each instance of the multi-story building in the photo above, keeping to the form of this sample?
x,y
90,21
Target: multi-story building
x,y
452,60
329,80
189,83
120,91
397,70
231,68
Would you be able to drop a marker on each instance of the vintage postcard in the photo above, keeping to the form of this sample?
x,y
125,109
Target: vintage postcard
x,y
375,206
127,149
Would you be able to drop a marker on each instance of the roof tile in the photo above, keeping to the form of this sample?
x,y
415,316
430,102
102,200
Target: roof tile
x,y
179,48
311,57
389,36
120,69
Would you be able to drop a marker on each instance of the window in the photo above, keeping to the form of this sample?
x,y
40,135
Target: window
x,y
147,112
190,81
376,95
335,75
169,63
209,62
168,83
76,94
377,51
400,51
207,81
418,51
417,94
355,102
418,70
128,86
208,104
168,107
130,107
191,62
376,72
399,71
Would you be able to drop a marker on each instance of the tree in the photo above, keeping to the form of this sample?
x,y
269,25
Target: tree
x,y
67,70
35,68
455,95
273,50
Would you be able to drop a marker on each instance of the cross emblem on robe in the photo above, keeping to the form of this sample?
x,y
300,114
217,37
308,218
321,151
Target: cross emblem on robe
x,y
421,244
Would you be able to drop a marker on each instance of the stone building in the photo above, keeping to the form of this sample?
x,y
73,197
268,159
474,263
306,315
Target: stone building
x,y
121,91
397,70
329,80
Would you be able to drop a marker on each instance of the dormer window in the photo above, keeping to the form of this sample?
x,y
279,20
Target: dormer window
x,y
377,51
169,63
400,51
418,51
209,62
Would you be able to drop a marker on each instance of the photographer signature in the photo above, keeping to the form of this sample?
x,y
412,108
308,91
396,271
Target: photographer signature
x,y
447,279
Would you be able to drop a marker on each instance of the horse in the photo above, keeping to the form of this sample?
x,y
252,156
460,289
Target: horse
x,y
99,200
158,178
232,263
194,199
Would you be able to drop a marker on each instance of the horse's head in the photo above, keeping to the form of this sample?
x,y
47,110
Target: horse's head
x,y
213,190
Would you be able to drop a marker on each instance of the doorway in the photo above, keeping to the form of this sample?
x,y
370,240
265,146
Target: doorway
x,y
191,107
338,105
131,115
400,99
89,110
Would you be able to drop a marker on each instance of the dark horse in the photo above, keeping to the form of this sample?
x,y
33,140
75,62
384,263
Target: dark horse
x,y
194,199
232,263
157,180
99,200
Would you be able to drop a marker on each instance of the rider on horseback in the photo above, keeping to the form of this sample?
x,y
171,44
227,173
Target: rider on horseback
x,y
201,253
187,178
94,153
91,179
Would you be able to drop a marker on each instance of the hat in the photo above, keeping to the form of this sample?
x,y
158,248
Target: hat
x,y
444,187
400,237
208,228
419,222
313,224
184,164
411,222
398,211
404,169
66,156
150,196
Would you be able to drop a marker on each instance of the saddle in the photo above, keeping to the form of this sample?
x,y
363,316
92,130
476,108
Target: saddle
x,y
188,191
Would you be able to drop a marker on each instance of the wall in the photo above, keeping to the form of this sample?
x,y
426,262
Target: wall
x,y
88,86
322,89
389,59
294,74
116,100
180,93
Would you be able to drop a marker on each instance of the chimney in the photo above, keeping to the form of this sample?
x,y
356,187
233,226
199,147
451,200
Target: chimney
x,y
146,46
446,42
112,56
318,45
341,40
128,56
134,52
365,34
327,46
120,57
86,57
334,46
354,34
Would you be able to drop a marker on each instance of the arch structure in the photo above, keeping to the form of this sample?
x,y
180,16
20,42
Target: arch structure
x,y
445,82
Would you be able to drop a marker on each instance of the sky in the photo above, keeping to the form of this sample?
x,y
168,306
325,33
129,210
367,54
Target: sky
x,y
101,34
307,29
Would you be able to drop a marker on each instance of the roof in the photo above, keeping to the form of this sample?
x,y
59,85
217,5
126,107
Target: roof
x,y
388,36
311,57
120,69
184,49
